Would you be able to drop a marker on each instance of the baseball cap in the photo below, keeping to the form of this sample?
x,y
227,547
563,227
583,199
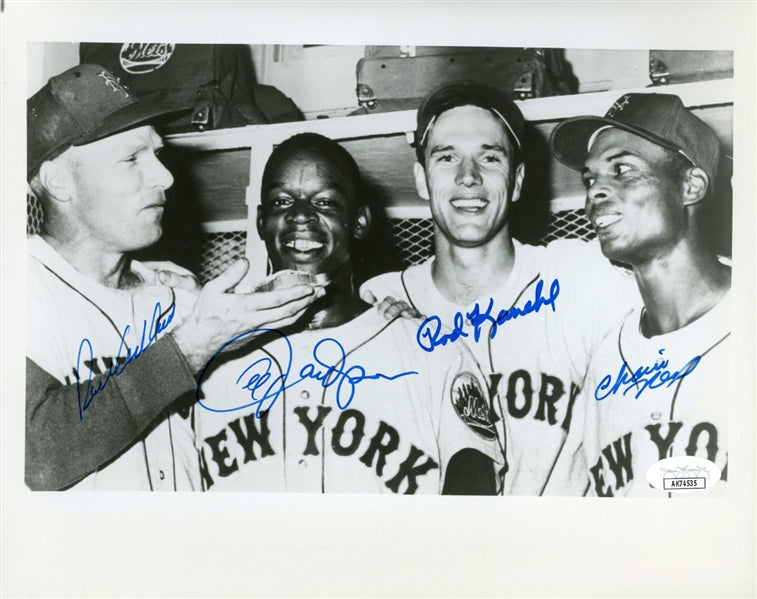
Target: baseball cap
x,y
659,118
82,105
467,93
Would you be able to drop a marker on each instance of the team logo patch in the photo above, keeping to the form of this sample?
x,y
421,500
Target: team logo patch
x,y
469,401
113,83
618,105
139,59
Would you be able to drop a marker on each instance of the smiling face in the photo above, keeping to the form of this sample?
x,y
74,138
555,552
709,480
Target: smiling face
x,y
634,197
310,212
470,177
117,190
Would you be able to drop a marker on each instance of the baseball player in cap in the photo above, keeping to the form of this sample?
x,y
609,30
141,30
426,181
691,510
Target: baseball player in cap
x,y
113,345
344,400
655,388
532,315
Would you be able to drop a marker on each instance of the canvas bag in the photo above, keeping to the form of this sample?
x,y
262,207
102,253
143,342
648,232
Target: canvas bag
x,y
216,80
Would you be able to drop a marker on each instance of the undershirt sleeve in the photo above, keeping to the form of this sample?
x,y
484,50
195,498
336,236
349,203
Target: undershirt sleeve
x,y
62,448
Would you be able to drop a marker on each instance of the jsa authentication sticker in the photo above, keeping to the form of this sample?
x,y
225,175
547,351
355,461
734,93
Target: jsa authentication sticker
x,y
683,474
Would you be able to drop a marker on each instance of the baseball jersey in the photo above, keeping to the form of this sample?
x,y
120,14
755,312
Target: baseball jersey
x,y
353,409
78,332
534,338
648,399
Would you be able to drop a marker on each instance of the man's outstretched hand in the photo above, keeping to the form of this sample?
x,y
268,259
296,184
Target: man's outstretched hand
x,y
219,314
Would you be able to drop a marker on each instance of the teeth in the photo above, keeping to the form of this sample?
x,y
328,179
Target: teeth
x,y
303,245
469,203
606,220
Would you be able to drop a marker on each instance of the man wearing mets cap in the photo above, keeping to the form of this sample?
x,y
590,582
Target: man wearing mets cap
x,y
114,344
657,387
531,314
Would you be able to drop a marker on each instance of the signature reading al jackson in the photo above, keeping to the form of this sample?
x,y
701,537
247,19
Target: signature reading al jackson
x,y
262,387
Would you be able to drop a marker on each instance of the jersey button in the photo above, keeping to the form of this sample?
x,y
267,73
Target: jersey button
x,y
162,475
302,464
305,394
655,415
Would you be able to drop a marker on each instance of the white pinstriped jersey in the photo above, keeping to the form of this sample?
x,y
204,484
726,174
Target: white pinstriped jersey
x,y
647,399
535,361
393,436
66,308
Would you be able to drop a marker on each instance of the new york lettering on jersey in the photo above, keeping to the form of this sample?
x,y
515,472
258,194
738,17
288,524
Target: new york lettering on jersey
x,y
328,448
535,362
668,409
614,473
396,435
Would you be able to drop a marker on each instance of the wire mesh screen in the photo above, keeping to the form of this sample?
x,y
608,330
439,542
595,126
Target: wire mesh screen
x,y
413,238
569,224
219,251
34,215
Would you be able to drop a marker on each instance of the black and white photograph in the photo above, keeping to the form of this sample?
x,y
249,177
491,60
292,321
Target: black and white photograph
x,y
290,282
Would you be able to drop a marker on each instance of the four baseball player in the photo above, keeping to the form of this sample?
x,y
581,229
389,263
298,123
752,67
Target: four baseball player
x,y
318,391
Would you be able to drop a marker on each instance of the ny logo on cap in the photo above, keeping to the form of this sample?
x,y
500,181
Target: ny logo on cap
x,y
618,106
113,82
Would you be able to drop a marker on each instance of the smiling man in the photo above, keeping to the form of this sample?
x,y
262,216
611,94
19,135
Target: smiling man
x,y
113,345
342,401
319,174
531,315
658,385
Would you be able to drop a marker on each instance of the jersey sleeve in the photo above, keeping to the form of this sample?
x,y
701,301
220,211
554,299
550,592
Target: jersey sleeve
x,y
465,416
595,295
615,293
62,448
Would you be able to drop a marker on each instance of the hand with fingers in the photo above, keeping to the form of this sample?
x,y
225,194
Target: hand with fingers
x,y
390,307
173,275
219,314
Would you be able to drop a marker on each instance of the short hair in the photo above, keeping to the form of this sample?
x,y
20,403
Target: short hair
x,y
420,148
38,189
677,165
67,159
319,145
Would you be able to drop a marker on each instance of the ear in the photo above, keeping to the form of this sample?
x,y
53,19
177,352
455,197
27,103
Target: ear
x,y
420,181
362,222
259,221
57,181
695,184
520,172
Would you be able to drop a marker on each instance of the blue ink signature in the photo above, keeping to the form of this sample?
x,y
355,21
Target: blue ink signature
x,y
328,367
645,377
119,363
430,334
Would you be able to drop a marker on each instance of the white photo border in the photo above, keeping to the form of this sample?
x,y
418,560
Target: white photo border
x,y
57,544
